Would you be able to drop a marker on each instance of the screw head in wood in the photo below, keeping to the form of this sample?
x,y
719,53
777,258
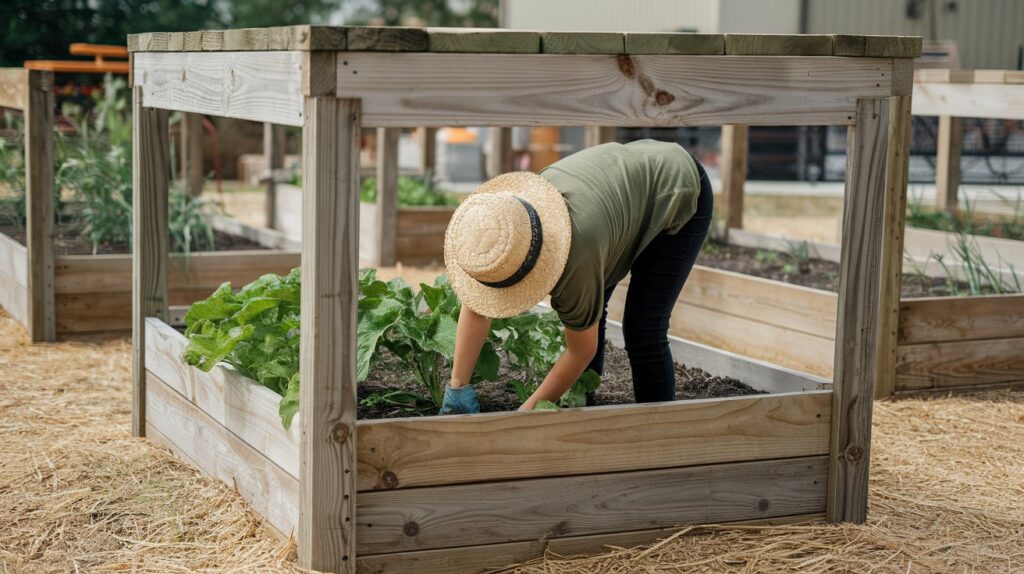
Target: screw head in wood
x,y
389,479
854,453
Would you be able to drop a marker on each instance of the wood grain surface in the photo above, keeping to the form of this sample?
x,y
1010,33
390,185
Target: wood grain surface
x,y
546,508
413,452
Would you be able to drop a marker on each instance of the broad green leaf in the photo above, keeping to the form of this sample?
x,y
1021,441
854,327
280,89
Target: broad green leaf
x,y
487,364
253,307
290,402
372,325
545,406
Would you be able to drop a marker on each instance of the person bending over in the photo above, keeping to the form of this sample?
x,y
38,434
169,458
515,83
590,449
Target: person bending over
x,y
573,232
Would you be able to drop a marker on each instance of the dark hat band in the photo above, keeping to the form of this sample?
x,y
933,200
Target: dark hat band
x,y
536,241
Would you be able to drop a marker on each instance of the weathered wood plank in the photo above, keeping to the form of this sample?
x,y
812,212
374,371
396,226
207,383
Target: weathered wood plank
x,y
192,153
734,173
39,221
258,86
896,177
675,43
959,364
419,221
425,451
969,100
778,44
876,46
497,512
151,169
499,157
273,155
13,88
582,42
860,303
477,559
944,76
387,39
212,40
248,410
89,274
193,41
203,442
330,270
387,195
13,278
243,39
554,89
892,46
949,144
428,149
764,376
483,40
942,319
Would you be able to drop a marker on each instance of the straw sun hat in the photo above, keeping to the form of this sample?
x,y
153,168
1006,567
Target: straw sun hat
x,y
507,244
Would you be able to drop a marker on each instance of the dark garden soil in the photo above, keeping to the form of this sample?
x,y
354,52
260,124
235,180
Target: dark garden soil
x,y
70,240
815,273
616,387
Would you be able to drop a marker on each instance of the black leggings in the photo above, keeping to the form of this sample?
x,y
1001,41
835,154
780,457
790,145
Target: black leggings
x,y
656,279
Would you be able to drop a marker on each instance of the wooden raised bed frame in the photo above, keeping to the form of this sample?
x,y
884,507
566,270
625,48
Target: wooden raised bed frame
x,y
415,236
458,493
942,343
53,295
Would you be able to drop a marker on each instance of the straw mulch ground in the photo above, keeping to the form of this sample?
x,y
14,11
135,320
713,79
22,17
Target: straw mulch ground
x,y
77,494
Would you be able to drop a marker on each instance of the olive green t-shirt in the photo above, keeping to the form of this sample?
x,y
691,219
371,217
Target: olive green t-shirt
x,y
620,197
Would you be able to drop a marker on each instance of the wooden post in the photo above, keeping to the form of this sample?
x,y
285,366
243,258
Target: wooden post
x,y
947,162
499,160
330,271
192,153
896,175
733,168
273,154
860,302
39,199
597,135
387,194
428,150
151,172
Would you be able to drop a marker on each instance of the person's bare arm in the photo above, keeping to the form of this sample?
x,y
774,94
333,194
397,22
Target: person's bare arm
x,y
469,339
580,348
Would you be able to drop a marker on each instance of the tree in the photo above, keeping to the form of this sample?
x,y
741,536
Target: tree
x,y
462,13
42,29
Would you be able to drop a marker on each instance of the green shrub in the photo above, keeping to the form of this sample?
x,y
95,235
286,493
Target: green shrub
x,y
412,192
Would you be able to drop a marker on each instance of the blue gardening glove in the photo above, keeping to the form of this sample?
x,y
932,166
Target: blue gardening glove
x,y
459,401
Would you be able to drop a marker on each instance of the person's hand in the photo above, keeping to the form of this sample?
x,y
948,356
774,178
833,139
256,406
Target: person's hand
x,y
461,400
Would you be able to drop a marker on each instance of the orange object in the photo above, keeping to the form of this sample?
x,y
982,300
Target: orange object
x,y
97,66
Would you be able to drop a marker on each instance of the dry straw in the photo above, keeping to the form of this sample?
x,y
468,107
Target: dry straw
x,y
77,494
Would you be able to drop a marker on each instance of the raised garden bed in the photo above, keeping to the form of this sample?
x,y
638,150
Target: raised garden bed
x,y
943,343
461,493
418,232
764,454
50,280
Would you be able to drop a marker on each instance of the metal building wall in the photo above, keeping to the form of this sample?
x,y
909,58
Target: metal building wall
x,y
611,15
989,33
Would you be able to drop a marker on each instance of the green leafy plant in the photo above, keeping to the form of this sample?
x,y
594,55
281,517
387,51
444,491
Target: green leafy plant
x,y
968,220
767,257
255,330
971,267
418,329
412,192
799,253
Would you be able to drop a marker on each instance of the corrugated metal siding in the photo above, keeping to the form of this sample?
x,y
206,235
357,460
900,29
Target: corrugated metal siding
x,y
989,32
611,15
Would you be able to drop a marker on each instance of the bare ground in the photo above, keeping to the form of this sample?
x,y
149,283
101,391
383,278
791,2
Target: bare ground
x,y
78,494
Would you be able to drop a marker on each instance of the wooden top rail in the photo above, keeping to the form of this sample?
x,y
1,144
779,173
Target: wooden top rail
x,y
502,41
98,50
95,66
969,76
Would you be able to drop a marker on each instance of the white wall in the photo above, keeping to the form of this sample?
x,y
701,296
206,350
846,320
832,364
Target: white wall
x,y
611,15
759,16
989,33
